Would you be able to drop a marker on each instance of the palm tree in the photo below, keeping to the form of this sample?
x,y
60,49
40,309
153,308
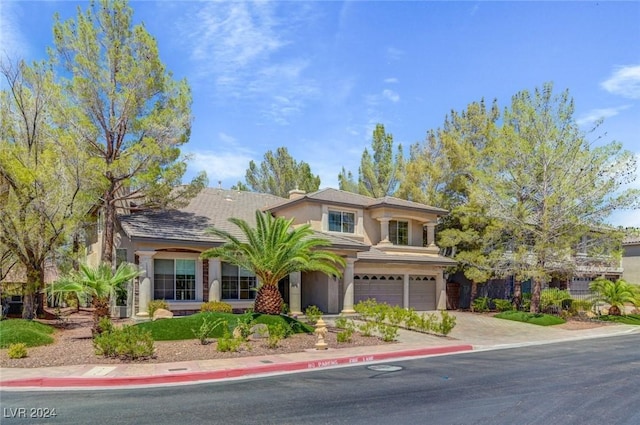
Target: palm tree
x,y
101,283
272,250
616,294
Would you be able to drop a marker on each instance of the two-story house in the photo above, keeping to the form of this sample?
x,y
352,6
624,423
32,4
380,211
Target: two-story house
x,y
388,244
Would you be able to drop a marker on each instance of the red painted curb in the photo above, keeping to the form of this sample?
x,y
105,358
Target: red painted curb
x,y
46,382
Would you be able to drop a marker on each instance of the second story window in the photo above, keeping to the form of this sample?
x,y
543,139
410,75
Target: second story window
x,y
399,232
342,221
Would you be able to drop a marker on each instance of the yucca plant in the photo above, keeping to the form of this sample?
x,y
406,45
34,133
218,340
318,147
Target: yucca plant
x,y
272,250
101,283
616,294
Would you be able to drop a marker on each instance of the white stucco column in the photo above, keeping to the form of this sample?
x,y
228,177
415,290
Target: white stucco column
x,y
295,291
405,294
431,233
145,288
384,230
215,277
441,292
347,307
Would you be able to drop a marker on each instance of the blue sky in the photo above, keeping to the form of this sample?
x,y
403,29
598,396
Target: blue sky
x,y
317,76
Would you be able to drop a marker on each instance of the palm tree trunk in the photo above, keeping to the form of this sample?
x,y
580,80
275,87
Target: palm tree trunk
x,y
268,300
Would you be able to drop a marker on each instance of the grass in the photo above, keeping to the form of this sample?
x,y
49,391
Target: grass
x,y
179,328
33,334
630,319
539,319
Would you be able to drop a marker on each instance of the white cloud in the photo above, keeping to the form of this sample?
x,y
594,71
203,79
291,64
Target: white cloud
x,y
12,40
227,139
391,80
242,47
220,165
391,95
394,54
625,81
597,114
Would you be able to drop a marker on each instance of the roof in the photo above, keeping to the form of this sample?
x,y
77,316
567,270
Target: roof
x,y
341,197
211,207
631,240
378,256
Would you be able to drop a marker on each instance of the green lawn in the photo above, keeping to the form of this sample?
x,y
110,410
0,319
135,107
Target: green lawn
x,y
539,319
31,333
182,327
630,319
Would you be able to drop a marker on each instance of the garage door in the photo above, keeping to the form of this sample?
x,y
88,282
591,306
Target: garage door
x,y
422,293
384,289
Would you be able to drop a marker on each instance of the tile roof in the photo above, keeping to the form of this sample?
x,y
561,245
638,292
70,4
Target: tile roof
x,y
342,197
378,256
212,207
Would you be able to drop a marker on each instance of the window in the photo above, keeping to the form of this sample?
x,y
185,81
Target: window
x,y
399,232
342,221
174,279
237,283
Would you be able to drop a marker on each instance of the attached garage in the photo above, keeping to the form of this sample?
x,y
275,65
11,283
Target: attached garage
x,y
383,288
422,293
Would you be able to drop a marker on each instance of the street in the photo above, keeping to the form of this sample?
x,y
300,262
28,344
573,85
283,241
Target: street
x,y
585,382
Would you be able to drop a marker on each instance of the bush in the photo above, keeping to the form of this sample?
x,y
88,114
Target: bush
x,y
447,323
17,350
553,300
105,325
227,343
277,333
244,324
206,328
156,305
502,305
313,314
216,307
127,343
345,335
480,305
581,305
389,332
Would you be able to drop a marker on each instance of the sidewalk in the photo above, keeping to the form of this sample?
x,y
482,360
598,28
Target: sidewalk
x,y
472,332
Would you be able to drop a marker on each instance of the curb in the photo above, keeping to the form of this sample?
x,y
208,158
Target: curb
x,y
191,377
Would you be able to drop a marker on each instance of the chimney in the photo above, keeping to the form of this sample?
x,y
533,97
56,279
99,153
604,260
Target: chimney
x,y
296,193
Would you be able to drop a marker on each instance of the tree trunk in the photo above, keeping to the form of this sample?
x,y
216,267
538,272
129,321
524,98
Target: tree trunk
x,y
32,299
535,295
268,300
474,293
109,228
101,309
517,294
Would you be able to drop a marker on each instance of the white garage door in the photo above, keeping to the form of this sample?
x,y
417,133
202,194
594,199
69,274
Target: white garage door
x,y
384,289
422,293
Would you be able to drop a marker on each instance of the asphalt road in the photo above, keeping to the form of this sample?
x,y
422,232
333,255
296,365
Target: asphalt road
x,y
588,382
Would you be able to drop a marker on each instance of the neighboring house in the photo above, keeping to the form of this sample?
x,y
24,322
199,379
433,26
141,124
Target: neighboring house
x,y
14,280
585,268
388,244
631,259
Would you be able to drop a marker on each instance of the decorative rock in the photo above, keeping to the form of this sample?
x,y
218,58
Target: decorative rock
x,y
161,313
259,331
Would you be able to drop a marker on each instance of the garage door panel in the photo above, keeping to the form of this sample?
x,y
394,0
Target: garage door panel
x,y
382,289
422,294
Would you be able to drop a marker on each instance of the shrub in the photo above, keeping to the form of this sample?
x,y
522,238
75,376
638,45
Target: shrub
x,y
553,299
205,329
243,327
581,305
313,314
388,332
17,351
502,305
216,307
127,343
277,333
480,304
105,325
156,305
345,335
227,342
447,323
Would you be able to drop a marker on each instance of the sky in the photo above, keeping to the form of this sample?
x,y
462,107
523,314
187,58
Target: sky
x,y
316,77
